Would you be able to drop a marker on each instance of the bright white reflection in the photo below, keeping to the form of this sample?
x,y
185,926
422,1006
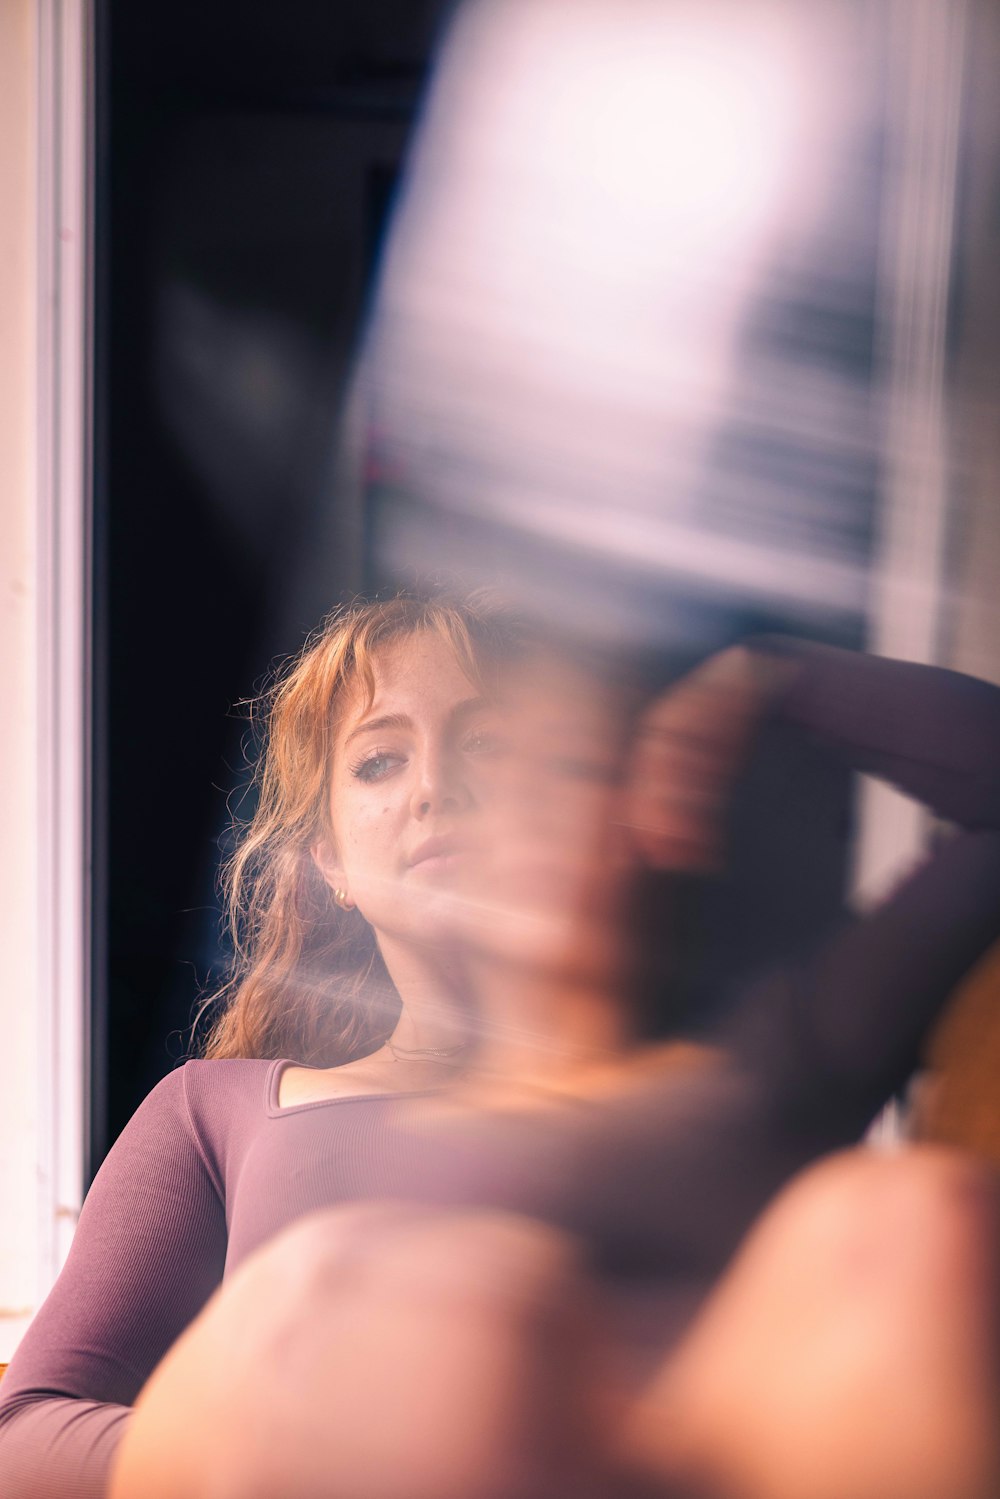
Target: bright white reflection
x,y
598,192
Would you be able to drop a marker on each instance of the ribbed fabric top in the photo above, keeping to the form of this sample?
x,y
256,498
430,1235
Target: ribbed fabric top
x,y
659,1185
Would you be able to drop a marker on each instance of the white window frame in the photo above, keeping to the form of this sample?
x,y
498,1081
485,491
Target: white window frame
x,y
65,174
907,615
46,1071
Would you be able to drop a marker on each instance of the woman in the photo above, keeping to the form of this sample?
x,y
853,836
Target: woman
x,y
390,786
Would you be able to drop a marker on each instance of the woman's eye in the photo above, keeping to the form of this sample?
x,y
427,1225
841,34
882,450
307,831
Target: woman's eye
x,y
375,766
595,771
483,742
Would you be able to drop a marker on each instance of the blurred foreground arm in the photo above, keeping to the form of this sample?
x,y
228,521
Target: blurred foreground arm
x,y
381,1352
836,1035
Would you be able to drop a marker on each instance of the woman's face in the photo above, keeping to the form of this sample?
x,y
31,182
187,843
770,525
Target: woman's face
x,y
489,826
408,780
555,864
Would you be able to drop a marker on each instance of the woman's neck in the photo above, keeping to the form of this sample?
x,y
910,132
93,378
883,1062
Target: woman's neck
x,y
513,1021
535,1027
436,1013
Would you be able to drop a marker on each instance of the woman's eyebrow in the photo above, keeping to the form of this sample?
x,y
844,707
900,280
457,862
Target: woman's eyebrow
x,y
460,710
384,721
468,706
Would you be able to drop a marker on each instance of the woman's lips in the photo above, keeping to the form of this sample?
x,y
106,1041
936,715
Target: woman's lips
x,y
438,854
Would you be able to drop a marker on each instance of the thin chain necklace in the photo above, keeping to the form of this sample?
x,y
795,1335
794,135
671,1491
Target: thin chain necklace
x,y
426,1053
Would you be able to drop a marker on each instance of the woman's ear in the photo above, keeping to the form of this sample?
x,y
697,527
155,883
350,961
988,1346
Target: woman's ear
x,y
324,856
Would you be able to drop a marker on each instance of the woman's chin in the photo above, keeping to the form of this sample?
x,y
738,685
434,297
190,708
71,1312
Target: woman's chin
x,y
538,939
533,923
430,914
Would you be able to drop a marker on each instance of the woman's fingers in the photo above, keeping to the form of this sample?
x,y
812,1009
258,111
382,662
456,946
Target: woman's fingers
x,y
688,746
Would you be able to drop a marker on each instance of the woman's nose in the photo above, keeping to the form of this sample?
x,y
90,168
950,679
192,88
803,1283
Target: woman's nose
x,y
441,786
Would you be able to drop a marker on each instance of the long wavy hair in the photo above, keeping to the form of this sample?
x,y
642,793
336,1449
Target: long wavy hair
x,y
307,980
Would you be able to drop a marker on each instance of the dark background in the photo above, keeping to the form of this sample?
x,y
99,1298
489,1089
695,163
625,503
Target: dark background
x,y
247,153
247,156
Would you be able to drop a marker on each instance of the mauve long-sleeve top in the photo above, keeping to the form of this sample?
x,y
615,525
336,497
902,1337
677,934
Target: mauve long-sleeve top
x,y
661,1184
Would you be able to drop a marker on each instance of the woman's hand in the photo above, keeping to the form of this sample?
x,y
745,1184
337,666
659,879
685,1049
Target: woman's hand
x,y
689,747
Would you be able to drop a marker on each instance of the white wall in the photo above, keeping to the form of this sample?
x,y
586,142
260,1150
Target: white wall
x,y
44,238
18,677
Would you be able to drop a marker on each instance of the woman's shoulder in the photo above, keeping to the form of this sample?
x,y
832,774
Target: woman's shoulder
x,y
221,1076
223,1082
232,1068
219,1104
209,1098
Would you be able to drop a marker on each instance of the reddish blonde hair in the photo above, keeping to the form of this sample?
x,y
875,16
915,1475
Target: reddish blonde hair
x,y
307,980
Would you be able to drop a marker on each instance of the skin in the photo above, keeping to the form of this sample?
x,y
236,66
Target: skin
x,y
850,1349
688,746
409,768
510,937
848,1353
521,906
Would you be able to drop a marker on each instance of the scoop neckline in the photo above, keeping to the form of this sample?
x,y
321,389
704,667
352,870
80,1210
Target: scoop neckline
x,y
272,1090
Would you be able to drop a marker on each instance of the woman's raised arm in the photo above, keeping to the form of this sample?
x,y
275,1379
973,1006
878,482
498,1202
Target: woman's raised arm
x,y
838,1034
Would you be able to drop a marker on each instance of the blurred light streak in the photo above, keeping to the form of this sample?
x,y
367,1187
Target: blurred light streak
x,y
907,613
622,227
673,297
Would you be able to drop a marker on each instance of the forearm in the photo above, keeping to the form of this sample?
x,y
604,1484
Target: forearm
x,y
933,733
58,1448
838,1034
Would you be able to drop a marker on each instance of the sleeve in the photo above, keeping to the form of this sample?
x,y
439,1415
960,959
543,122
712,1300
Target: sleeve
x,y
148,1252
835,1036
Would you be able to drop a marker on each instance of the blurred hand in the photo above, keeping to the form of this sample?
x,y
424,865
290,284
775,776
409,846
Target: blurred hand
x,y
689,747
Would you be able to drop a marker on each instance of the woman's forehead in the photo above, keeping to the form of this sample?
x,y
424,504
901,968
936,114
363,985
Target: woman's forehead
x,y
548,690
421,666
